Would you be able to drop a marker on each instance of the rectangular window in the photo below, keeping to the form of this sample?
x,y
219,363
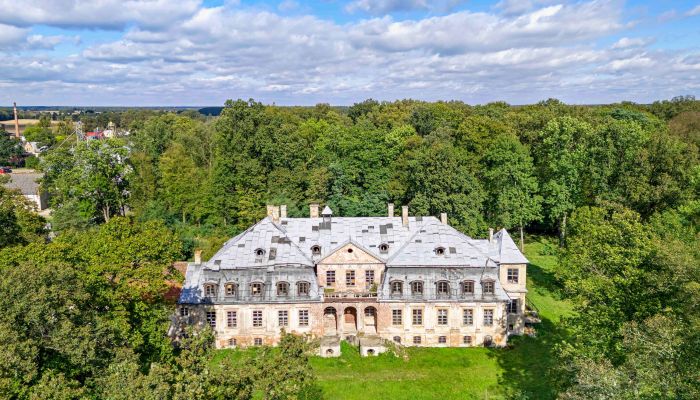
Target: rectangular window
x,y
442,339
396,317
211,318
416,340
488,317
231,319
442,316
512,306
467,340
257,341
488,287
232,342
369,277
283,318
513,275
330,278
257,319
184,311
468,316
417,317
350,278
303,317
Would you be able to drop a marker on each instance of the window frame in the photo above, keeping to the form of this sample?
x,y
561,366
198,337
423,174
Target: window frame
x,y
513,306
397,315
467,284
284,286
417,317
257,319
369,277
394,285
417,284
468,316
330,277
211,319
350,277
210,290
303,318
442,288
260,286
513,275
488,316
303,293
231,289
232,318
490,285
443,316
283,318
442,339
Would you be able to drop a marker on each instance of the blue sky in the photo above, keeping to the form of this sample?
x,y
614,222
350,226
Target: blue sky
x,y
195,52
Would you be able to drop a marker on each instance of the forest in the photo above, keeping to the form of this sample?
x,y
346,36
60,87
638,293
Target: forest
x,y
616,187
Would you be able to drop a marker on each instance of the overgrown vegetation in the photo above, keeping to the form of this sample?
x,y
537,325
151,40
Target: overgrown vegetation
x,y
618,291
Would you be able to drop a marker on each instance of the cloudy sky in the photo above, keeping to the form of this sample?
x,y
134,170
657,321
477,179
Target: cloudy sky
x,y
194,52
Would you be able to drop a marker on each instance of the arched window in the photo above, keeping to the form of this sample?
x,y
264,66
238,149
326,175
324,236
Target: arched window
x,y
256,289
316,250
303,288
231,289
488,341
488,287
282,289
383,248
397,288
370,312
417,288
468,287
440,251
397,339
210,290
443,288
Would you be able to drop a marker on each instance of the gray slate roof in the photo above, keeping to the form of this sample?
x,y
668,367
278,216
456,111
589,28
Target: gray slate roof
x,y
25,182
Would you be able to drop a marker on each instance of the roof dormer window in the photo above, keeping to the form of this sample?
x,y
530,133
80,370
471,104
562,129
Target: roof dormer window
x,y
440,251
383,248
259,252
316,250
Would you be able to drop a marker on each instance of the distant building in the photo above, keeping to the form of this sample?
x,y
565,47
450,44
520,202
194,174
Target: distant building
x,y
32,148
414,281
27,183
96,135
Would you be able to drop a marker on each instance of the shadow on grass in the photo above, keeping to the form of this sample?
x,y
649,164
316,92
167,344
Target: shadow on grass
x,y
544,279
528,363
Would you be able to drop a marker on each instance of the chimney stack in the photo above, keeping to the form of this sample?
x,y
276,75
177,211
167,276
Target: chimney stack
x,y
404,216
198,256
390,209
490,235
283,211
270,210
443,218
313,210
276,213
17,135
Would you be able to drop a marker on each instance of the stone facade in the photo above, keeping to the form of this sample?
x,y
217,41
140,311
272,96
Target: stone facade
x,y
415,281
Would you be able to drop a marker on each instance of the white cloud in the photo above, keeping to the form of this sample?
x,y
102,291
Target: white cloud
x,y
383,7
626,42
288,5
230,51
104,14
693,12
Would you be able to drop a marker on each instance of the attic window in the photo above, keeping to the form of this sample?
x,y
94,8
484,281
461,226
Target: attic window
x,y
440,251
259,252
383,248
350,250
316,250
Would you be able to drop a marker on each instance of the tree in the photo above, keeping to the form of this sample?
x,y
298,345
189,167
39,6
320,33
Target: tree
x,y
513,187
19,222
10,150
183,191
94,175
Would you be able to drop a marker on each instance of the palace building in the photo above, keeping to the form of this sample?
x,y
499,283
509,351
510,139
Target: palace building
x,y
415,281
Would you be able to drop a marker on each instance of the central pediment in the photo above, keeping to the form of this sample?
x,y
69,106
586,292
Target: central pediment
x,y
350,253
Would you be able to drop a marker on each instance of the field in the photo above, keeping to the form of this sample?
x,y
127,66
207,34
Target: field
x,y
475,373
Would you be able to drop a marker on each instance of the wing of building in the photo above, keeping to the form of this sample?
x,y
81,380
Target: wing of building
x,y
416,281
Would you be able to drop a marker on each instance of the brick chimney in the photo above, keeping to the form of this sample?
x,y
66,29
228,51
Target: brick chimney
x,y
270,210
390,209
17,135
276,213
198,256
404,216
283,211
313,210
443,218
490,235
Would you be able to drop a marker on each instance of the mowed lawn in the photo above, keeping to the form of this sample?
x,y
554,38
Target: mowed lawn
x,y
458,373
